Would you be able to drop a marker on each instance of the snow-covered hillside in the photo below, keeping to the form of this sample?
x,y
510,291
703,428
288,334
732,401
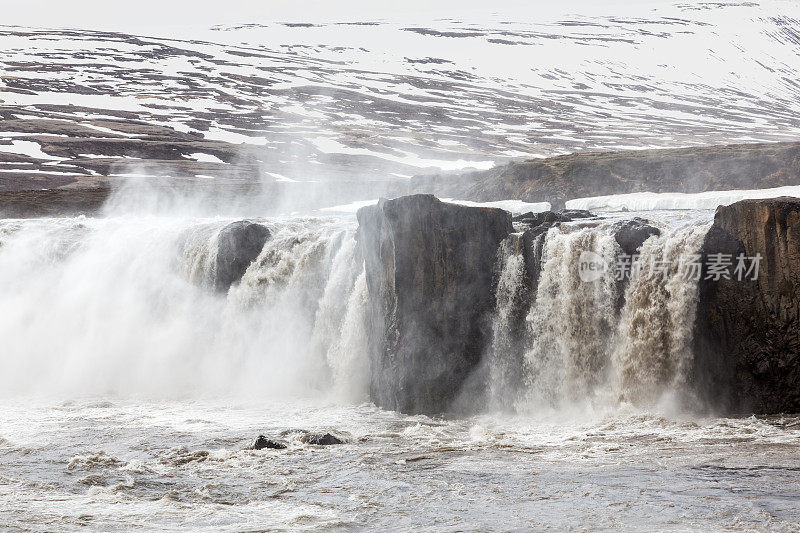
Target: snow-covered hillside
x,y
383,100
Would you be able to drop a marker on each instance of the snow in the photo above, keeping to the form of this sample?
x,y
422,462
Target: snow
x,y
331,146
352,207
649,201
107,130
513,206
205,158
29,148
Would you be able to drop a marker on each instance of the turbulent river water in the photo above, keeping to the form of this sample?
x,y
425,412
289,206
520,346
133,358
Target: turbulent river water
x,y
132,392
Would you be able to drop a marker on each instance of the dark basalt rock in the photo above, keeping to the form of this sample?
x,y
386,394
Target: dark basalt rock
x,y
552,217
747,333
239,244
631,234
429,268
322,439
263,442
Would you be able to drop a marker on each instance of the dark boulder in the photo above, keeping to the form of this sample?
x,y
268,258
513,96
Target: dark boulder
x,y
631,234
747,332
322,439
429,268
239,244
263,442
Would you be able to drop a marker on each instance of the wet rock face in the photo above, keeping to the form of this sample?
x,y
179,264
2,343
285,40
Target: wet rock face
x,y
429,271
551,217
747,333
239,244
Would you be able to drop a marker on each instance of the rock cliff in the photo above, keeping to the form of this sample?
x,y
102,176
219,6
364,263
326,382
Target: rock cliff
x,y
429,271
689,170
747,333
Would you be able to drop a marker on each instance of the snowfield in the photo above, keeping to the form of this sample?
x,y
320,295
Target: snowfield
x,y
377,99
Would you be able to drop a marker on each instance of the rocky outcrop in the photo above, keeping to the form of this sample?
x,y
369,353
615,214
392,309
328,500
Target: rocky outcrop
x,y
238,245
631,234
52,202
429,272
551,217
747,333
579,175
82,187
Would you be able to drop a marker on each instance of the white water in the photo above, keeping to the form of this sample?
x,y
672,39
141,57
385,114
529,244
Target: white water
x,y
570,321
125,306
132,392
579,351
653,352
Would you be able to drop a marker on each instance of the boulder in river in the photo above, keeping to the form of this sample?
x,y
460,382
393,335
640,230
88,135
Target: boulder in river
x,y
263,442
631,234
322,439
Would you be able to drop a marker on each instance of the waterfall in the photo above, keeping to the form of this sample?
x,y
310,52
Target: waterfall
x,y
571,321
576,345
512,296
348,356
129,305
126,305
655,329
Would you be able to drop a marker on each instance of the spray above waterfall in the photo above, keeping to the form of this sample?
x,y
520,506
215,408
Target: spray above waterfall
x,y
129,306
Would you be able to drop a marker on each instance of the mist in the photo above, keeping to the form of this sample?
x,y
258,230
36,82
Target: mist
x,y
124,306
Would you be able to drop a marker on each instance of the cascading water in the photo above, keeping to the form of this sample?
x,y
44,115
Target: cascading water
x,y
655,328
577,346
507,337
127,305
571,321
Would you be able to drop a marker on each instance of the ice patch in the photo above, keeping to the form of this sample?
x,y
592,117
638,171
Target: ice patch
x,y
650,201
280,177
331,146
